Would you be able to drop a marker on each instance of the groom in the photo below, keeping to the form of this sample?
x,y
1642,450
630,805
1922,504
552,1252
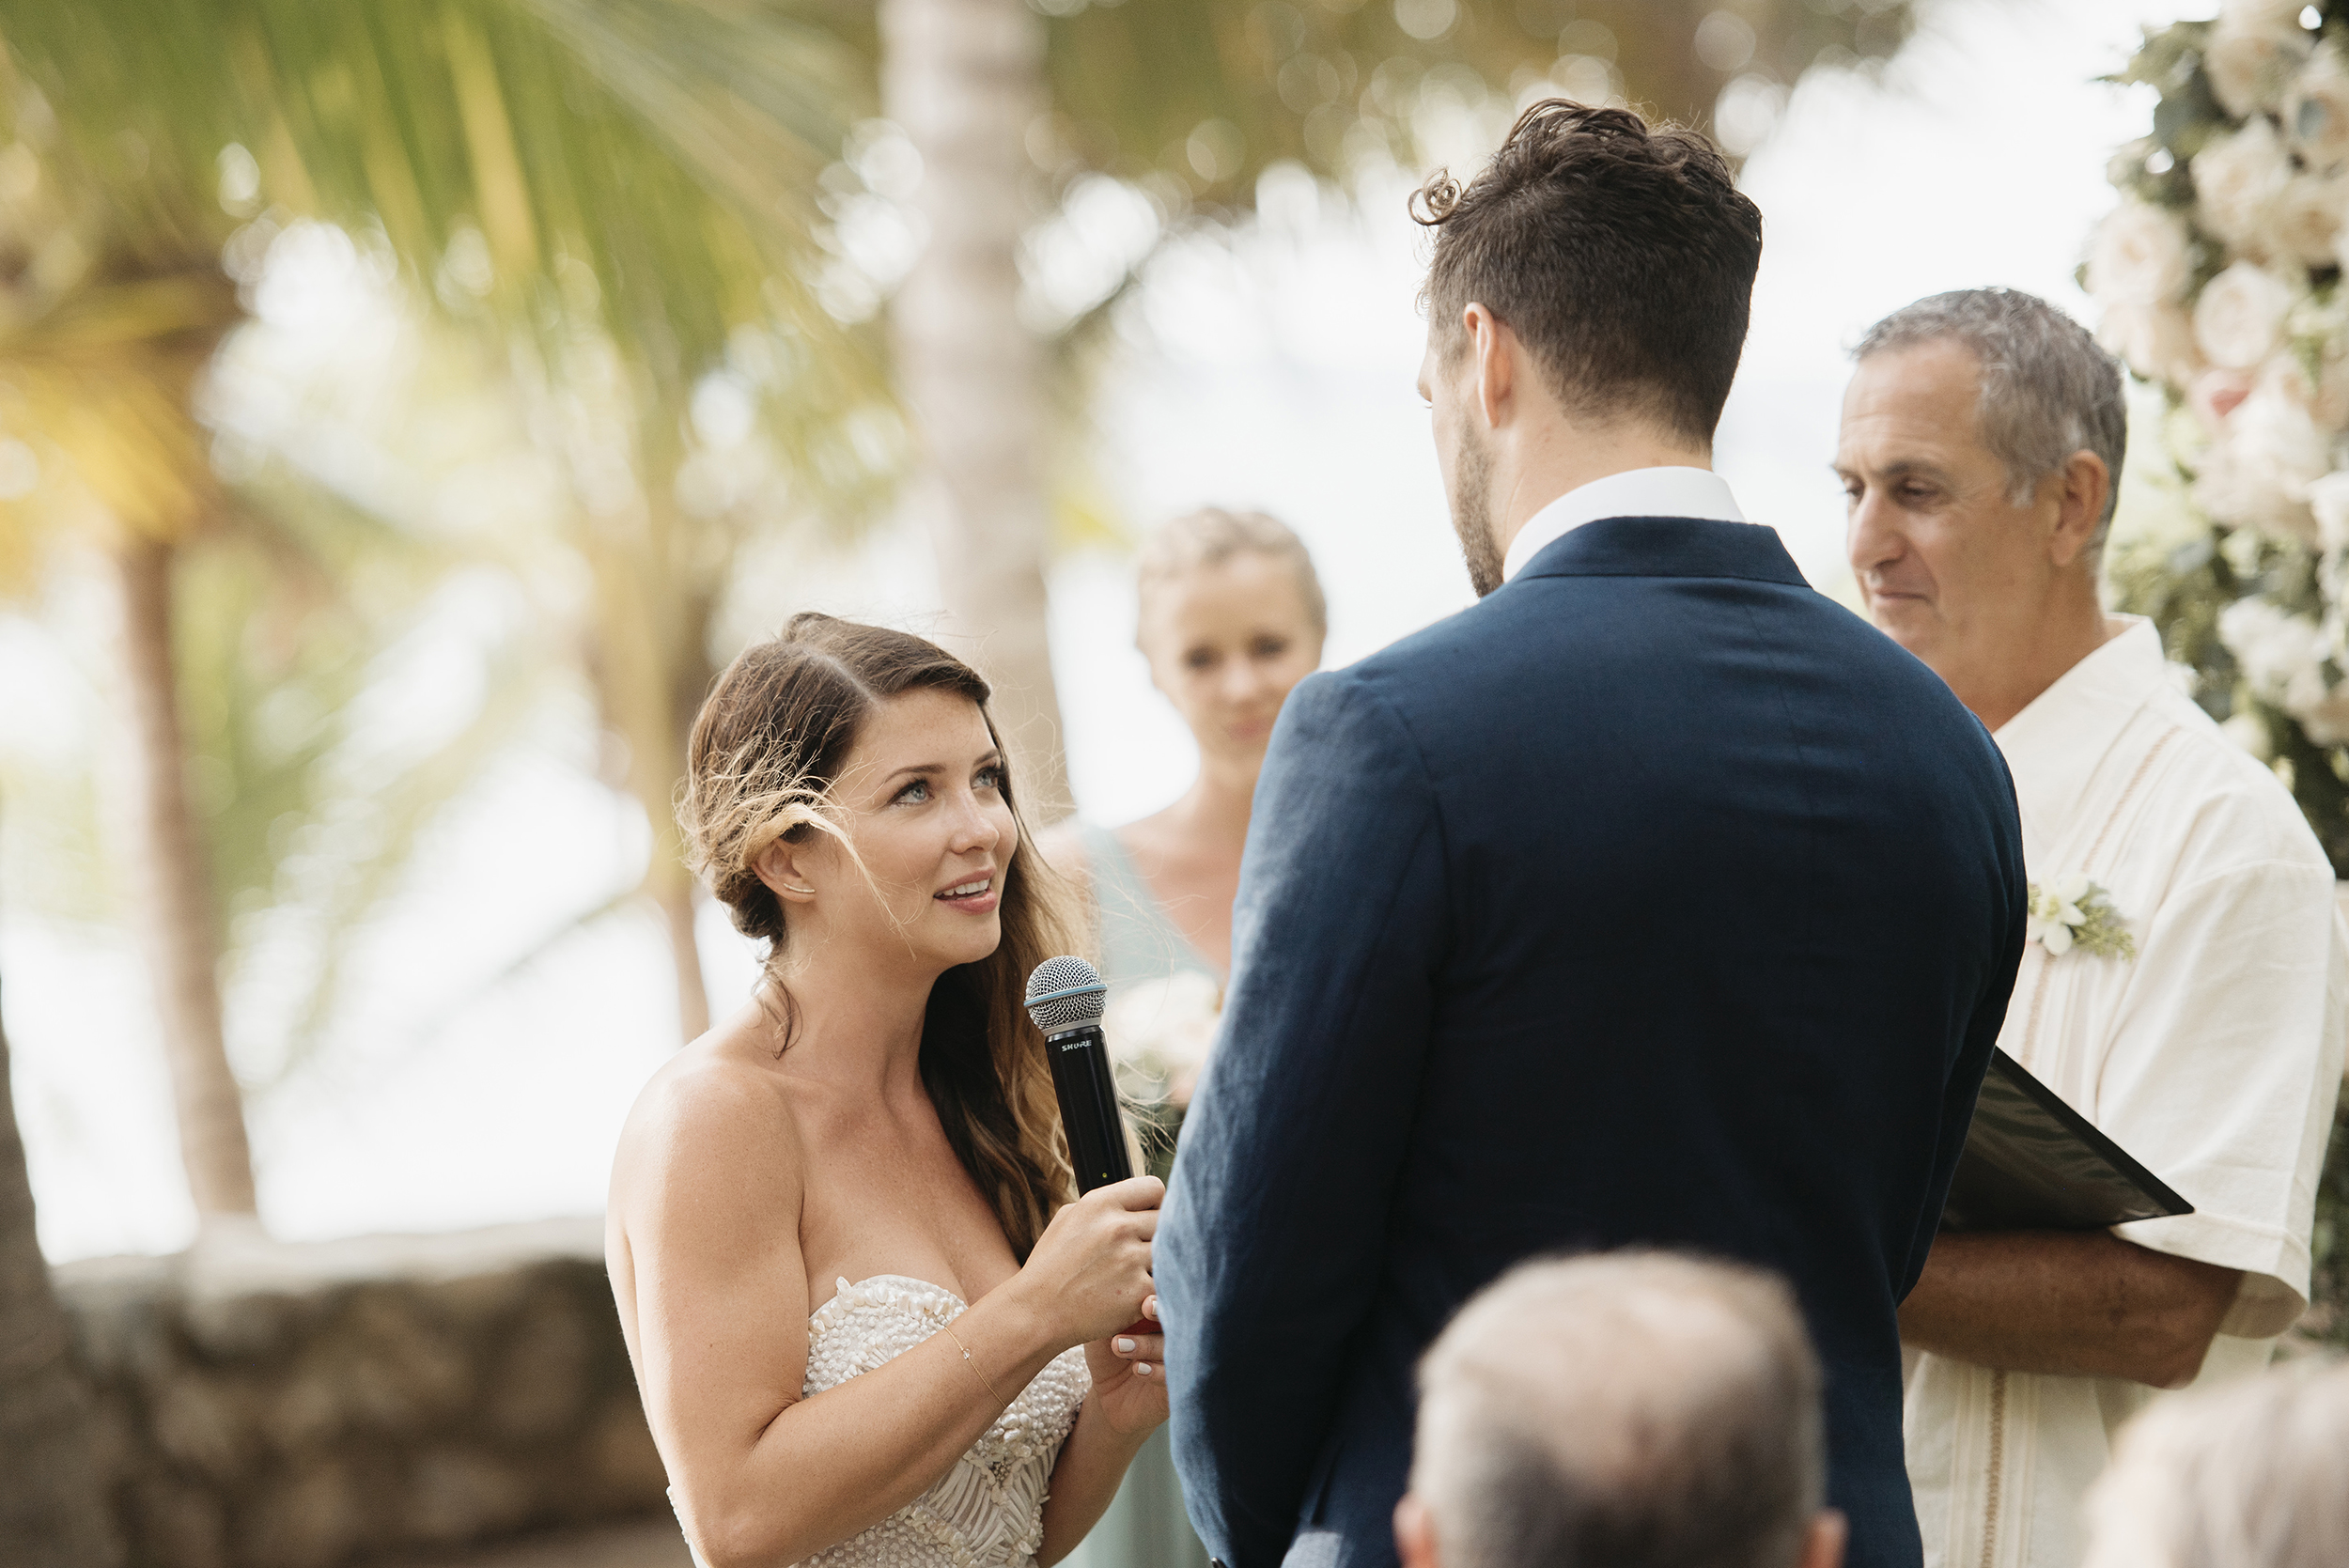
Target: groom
x,y
1654,900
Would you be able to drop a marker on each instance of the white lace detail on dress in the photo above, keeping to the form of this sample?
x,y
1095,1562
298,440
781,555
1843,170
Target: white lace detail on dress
x,y
987,1512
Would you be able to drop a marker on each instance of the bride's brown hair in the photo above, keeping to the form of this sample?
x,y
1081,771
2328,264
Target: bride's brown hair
x,y
766,749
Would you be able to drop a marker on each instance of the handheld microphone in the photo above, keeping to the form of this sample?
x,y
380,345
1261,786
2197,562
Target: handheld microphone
x,y
1065,997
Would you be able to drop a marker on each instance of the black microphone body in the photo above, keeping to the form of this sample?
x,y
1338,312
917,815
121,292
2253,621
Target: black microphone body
x,y
1087,1087
1065,998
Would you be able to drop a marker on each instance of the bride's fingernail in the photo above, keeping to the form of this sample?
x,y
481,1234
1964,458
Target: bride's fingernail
x,y
1123,1344
1143,1368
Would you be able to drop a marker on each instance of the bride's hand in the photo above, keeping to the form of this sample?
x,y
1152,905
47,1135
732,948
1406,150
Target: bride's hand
x,y
1090,1268
1130,1377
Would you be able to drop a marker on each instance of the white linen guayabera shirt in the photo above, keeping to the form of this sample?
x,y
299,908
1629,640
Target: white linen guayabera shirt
x,y
2214,1056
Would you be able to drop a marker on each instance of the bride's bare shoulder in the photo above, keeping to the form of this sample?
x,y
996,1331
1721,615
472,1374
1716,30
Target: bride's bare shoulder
x,y
714,1106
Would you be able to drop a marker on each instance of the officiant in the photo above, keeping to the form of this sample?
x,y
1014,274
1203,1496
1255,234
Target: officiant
x,y
2187,982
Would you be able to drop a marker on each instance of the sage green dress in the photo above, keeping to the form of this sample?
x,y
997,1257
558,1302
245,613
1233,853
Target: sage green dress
x,y
1146,1525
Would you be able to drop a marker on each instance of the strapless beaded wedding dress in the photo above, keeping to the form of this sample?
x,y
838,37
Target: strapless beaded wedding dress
x,y
987,1512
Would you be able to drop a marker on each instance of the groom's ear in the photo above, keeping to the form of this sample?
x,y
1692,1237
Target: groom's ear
x,y
1415,1533
1493,363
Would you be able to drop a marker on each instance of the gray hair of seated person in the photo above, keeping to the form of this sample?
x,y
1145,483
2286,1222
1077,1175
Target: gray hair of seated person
x,y
2251,1474
1640,1409
1212,535
2048,389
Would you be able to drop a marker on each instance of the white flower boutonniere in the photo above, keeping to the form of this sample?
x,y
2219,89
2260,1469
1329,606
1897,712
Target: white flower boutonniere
x,y
2077,913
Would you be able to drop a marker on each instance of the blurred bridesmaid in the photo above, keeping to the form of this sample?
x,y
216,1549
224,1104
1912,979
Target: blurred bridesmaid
x,y
1231,618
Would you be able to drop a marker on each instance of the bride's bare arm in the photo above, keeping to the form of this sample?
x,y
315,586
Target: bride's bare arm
x,y
705,1194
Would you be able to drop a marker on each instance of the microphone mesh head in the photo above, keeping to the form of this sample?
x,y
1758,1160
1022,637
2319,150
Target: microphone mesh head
x,y
1064,993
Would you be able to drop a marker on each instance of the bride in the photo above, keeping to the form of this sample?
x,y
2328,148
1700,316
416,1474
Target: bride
x,y
870,1325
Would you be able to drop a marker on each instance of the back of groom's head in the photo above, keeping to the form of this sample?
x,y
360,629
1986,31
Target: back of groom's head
x,y
1622,256
1636,1409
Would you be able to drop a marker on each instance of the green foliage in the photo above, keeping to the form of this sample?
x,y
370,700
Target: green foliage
x,y
648,165
1202,95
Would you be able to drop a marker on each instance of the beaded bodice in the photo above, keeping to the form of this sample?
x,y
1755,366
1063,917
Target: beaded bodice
x,y
987,1512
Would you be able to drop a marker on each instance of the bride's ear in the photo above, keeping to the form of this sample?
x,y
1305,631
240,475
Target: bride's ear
x,y
778,866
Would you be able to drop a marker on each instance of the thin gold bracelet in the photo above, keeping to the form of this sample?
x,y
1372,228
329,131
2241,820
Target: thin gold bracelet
x,y
985,1381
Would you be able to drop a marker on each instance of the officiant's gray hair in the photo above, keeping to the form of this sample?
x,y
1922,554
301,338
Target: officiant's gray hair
x,y
1636,1408
2049,390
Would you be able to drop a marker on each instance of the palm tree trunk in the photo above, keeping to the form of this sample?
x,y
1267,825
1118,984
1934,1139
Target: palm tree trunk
x,y
175,903
53,1503
692,992
965,79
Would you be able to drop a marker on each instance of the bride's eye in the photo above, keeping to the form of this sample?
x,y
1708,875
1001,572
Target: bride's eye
x,y
989,778
915,792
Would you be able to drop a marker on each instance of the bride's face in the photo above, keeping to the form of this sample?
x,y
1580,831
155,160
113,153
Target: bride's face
x,y
1226,643
922,799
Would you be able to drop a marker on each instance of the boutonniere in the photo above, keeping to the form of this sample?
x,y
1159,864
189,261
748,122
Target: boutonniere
x,y
2077,913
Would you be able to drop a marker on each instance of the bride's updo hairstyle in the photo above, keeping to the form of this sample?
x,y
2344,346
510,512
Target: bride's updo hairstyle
x,y
766,750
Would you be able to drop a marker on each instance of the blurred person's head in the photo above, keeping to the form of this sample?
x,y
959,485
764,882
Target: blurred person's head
x,y
1231,618
2252,1474
1982,443
1586,307
1639,1409
845,792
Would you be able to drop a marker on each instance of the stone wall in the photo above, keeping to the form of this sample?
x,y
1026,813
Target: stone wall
x,y
269,1406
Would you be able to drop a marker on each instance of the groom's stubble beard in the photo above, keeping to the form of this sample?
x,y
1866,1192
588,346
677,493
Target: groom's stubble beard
x,y
1471,511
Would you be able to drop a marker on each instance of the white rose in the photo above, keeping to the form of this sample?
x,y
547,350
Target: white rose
x,y
2138,252
2327,719
2273,15
2252,52
2281,654
2215,393
2249,731
2156,340
2258,473
2329,501
2239,181
2316,111
2305,223
2239,320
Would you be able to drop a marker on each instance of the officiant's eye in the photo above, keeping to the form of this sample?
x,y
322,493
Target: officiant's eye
x,y
1201,659
1269,647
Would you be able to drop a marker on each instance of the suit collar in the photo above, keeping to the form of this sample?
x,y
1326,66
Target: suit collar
x,y
1667,547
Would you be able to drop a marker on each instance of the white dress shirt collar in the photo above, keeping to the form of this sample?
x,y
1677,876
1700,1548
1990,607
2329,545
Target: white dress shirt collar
x,y
1636,492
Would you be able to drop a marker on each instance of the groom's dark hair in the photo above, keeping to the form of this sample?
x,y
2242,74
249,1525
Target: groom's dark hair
x,y
1622,256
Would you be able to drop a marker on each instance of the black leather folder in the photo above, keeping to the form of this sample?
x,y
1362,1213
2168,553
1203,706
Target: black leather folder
x,y
2034,1163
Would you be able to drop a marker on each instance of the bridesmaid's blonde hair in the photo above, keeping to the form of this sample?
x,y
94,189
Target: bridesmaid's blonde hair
x,y
1212,535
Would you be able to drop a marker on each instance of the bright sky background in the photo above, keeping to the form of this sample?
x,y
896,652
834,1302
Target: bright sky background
x,y
1274,371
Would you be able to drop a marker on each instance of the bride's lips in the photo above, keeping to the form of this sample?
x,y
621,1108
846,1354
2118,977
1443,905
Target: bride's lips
x,y
978,895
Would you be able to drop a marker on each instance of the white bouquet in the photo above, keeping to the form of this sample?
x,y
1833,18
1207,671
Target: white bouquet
x,y
1160,1032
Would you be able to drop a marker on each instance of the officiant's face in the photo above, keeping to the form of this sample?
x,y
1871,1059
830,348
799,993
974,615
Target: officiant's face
x,y
1949,563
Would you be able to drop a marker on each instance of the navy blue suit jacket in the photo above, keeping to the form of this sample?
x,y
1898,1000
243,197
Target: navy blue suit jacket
x,y
1655,899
